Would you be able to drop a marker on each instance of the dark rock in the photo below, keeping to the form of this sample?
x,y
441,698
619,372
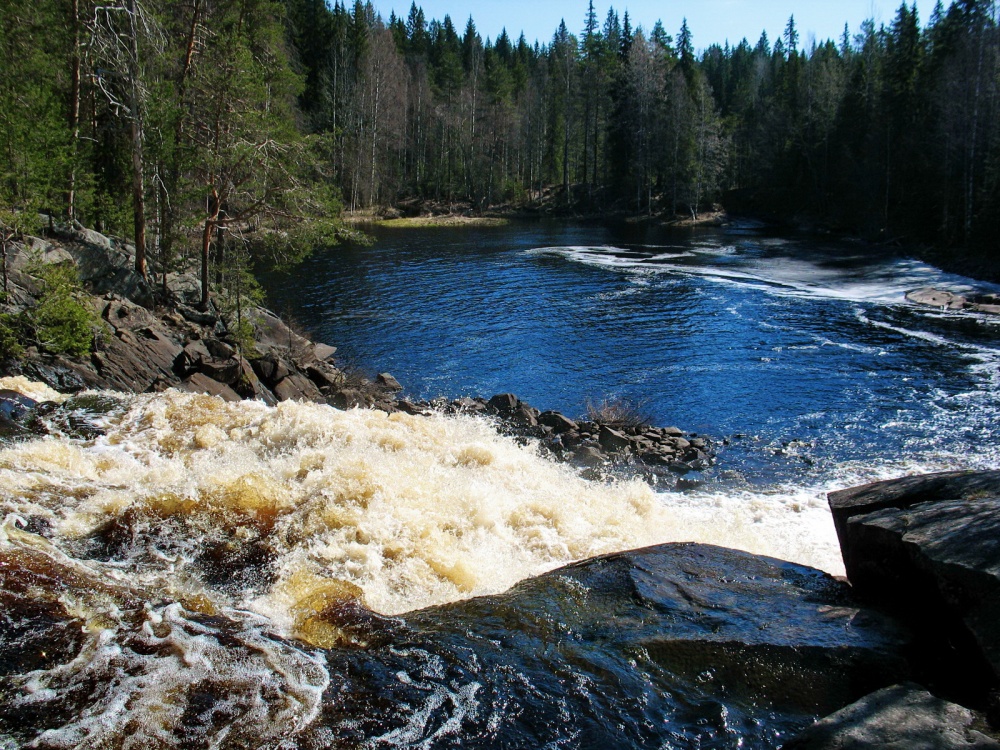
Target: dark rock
x,y
928,548
224,370
557,422
588,455
524,415
408,407
296,387
470,405
201,383
219,349
14,405
325,375
613,440
11,430
190,358
248,385
707,642
349,398
503,404
198,316
270,368
901,717
57,374
385,380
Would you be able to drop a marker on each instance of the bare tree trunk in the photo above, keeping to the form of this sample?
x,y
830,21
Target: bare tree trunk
x,y
206,245
138,186
74,114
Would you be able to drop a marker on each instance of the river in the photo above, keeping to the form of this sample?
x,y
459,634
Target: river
x,y
800,358
176,571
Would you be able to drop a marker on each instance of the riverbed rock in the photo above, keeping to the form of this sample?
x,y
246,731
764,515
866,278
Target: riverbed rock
x,y
937,298
900,717
558,422
671,646
298,387
201,383
387,381
928,548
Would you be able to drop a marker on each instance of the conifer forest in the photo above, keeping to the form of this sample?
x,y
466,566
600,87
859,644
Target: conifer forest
x,y
174,123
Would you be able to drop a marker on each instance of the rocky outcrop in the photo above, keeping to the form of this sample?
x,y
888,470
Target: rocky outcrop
x,y
678,645
945,300
655,452
900,717
927,549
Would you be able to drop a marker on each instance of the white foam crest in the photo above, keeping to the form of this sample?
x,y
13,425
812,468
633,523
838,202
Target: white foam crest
x,y
263,689
415,511
782,275
983,352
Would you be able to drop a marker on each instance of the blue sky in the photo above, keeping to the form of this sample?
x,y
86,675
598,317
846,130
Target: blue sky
x,y
710,21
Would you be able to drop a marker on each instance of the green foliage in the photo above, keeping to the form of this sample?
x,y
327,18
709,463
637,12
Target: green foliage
x,y
237,296
62,322
12,336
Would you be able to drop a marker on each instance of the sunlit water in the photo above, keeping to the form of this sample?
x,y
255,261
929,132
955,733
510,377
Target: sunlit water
x,y
197,574
801,359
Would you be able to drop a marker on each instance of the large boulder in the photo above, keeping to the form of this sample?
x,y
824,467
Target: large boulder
x,y
679,645
928,548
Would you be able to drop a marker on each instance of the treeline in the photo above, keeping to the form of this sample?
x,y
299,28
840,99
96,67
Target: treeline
x,y
892,131
173,123
207,125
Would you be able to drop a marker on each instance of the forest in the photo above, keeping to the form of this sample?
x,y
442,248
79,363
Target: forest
x,y
186,126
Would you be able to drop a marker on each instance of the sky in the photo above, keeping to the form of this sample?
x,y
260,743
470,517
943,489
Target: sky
x,y
710,21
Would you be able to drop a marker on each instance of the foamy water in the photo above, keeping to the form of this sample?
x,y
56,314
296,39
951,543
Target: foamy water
x,y
413,511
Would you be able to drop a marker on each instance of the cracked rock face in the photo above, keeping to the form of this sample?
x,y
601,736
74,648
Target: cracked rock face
x,y
928,549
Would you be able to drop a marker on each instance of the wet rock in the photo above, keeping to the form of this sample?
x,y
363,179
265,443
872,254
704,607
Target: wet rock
x,y
349,398
56,373
524,415
900,717
503,404
15,406
928,549
613,440
11,431
557,422
469,405
588,455
387,381
706,640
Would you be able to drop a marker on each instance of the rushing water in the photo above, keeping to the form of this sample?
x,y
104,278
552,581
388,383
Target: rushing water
x,y
802,356
176,571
